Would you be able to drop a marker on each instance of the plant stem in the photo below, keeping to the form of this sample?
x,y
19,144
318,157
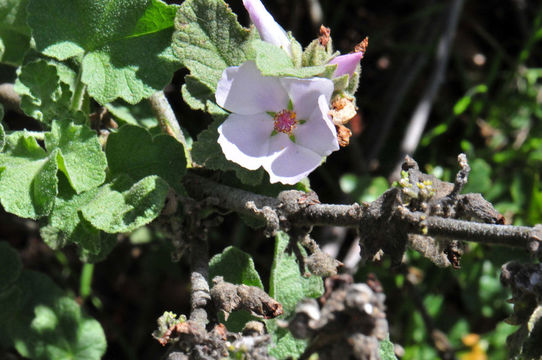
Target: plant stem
x,y
85,284
167,119
78,94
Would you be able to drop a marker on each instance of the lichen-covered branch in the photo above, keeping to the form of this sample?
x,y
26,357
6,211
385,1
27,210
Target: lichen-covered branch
x,y
422,212
199,273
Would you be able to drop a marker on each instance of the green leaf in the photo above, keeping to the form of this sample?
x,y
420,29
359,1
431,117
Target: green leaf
x,y
46,90
134,152
208,39
122,206
124,46
273,62
200,97
479,177
50,325
208,153
80,155
235,266
11,266
66,225
140,114
288,286
14,32
42,323
28,182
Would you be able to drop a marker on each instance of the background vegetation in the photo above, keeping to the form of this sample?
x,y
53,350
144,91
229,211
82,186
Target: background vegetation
x,y
487,106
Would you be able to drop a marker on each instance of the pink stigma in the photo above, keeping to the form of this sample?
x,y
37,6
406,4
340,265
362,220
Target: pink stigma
x,y
285,121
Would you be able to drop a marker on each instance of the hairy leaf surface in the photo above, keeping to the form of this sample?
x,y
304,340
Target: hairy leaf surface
x,y
288,286
14,32
124,46
134,152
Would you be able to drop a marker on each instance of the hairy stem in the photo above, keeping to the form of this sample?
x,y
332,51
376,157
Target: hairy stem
x,y
165,115
79,93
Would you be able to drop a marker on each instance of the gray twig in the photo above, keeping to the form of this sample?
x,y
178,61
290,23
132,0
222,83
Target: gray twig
x,y
199,267
287,211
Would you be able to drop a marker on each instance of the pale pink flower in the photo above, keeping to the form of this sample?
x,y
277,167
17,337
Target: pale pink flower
x,y
269,30
278,123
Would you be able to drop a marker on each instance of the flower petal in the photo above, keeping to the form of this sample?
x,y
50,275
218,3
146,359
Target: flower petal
x,y
318,133
269,30
346,64
304,93
244,139
292,164
243,90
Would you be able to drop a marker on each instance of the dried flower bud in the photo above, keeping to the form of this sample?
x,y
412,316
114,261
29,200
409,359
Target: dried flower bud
x,y
324,36
343,135
342,110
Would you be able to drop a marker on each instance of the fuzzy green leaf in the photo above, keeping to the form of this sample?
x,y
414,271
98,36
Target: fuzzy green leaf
x,y
208,153
140,114
14,32
123,206
50,325
273,62
124,45
11,266
39,320
200,97
28,182
10,294
288,286
208,39
235,266
46,89
81,157
66,225
134,152
28,173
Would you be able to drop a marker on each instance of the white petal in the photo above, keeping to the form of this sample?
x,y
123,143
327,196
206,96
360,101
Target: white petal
x,y
244,139
318,133
269,30
292,164
304,93
243,90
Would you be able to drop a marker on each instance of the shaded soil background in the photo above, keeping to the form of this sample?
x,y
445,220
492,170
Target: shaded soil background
x,y
137,282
